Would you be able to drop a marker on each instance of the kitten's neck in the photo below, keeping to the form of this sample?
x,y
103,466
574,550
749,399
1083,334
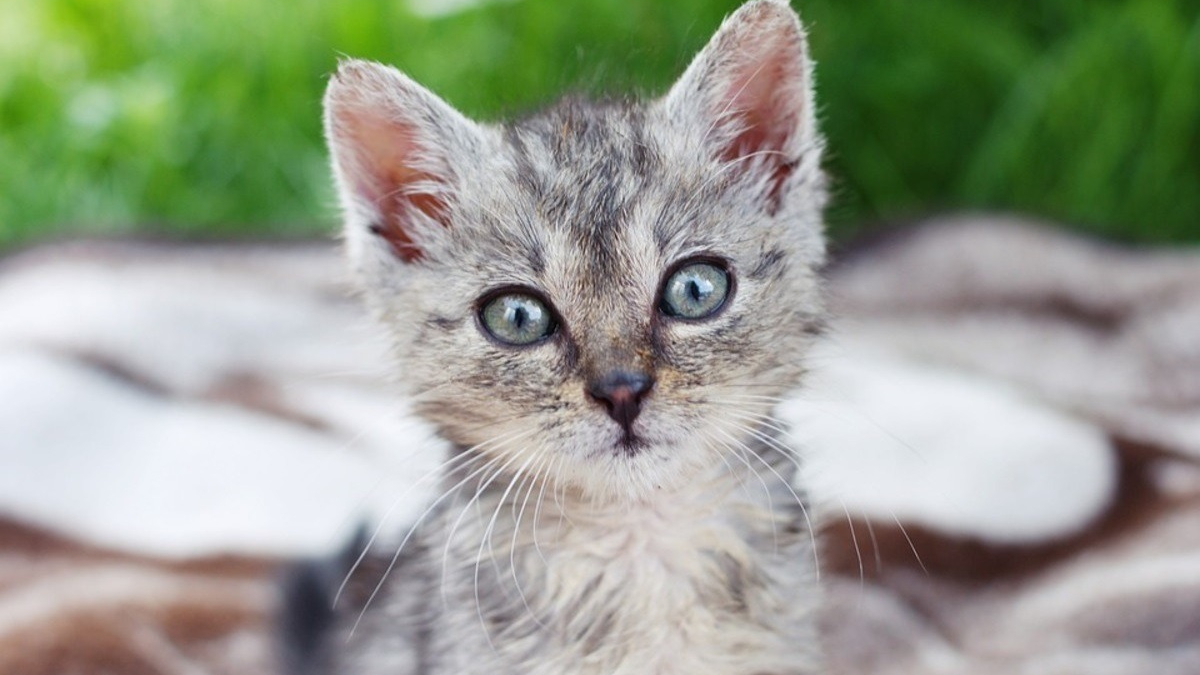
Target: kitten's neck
x,y
718,569
744,506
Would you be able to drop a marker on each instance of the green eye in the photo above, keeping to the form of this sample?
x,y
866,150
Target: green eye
x,y
517,319
695,291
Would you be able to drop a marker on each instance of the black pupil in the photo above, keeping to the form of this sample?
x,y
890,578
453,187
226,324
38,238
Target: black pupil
x,y
520,316
695,291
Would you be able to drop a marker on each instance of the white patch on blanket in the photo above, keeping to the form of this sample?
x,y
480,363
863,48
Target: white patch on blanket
x,y
887,438
187,320
90,457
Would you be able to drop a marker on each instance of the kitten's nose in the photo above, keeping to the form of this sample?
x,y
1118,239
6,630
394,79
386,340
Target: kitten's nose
x,y
621,393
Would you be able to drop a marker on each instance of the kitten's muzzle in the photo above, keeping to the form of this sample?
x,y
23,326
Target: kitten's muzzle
x,y
621,393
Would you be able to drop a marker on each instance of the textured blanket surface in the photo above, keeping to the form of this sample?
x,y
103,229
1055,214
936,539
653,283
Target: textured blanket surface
x,y
1002,434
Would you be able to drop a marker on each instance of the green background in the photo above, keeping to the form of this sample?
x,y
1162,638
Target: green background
x,y
201,117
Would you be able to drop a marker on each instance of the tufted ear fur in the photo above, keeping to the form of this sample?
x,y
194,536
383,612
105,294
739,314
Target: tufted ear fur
x,y
748,94
393,145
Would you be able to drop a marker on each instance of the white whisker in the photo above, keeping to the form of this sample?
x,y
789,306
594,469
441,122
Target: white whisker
x,y
433,473
396,556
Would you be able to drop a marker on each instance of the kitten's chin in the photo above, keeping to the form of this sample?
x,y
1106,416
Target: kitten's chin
x,y
633,443
637,470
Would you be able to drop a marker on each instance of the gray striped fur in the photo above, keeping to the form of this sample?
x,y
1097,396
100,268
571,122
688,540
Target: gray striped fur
x,y
553,550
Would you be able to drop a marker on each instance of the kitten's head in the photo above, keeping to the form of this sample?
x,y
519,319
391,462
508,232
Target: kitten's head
x,y
605,294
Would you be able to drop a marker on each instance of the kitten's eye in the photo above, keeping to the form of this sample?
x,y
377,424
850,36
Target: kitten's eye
x,y
517,319
695,291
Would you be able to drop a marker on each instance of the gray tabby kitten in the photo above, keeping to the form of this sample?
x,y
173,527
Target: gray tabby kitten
x,y
598,306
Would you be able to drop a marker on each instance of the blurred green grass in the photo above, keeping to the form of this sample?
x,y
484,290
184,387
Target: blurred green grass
x,y
202,118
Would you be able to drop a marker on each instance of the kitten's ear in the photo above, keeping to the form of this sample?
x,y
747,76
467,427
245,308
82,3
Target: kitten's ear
x,y
393,145
748,94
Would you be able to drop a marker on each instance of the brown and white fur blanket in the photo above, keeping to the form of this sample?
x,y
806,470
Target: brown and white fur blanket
x,y
1003,431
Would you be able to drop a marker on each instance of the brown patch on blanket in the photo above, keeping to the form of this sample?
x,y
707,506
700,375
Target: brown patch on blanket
x,y
252,392
71,608
123,373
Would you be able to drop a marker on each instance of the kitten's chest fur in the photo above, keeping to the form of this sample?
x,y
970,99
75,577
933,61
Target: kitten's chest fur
x,y
711,580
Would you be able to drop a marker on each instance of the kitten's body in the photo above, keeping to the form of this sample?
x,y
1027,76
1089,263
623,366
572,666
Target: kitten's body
x,y
619,501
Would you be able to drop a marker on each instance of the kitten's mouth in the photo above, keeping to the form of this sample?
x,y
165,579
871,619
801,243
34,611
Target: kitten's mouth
x,y
630,444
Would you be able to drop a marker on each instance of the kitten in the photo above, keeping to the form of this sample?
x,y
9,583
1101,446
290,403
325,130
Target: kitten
x,y
598,306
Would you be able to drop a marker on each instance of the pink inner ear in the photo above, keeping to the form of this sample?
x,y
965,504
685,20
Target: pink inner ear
x,y
755,103
383,153
765,103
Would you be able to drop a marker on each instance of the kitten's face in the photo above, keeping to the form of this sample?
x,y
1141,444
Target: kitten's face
x,y
607,295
